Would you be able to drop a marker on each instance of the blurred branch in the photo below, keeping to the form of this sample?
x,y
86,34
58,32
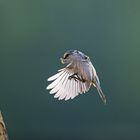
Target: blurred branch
x,y
3,131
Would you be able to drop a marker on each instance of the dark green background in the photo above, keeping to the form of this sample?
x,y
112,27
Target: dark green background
x,y
34,34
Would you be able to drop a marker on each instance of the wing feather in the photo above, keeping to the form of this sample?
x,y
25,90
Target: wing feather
x,y
55,76
62,88
69,94
65,91
65,88
55,82
72,95
75,90
70,89
60,84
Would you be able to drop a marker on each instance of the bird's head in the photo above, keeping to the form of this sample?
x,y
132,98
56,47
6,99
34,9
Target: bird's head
x,y
71,56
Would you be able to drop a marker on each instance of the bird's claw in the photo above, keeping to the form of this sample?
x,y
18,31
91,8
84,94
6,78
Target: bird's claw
x,y
76,78
73,77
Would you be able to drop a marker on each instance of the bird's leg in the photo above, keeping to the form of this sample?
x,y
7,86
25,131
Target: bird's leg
x,y
73,76
76,77
81,79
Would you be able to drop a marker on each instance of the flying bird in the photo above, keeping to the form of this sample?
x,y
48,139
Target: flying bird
x,y
76,78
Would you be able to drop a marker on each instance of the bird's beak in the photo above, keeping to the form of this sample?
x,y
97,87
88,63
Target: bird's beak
x,y
62,60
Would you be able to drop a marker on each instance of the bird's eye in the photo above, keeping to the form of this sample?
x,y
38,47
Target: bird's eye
x,y
66,56
86,57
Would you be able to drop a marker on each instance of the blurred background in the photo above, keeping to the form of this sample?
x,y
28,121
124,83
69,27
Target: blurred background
x,y
34,34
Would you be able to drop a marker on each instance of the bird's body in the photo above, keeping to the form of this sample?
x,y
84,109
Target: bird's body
x,y
76,78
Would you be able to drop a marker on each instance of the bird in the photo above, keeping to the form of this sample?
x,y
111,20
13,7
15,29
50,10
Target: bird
x,y
75,78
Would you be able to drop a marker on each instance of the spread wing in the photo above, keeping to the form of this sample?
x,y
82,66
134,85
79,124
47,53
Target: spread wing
x,y
65,88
